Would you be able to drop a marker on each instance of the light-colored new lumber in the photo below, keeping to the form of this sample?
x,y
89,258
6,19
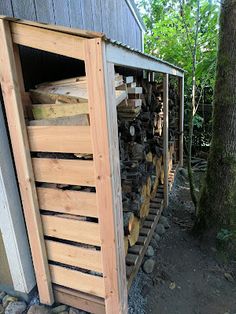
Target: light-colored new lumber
x,y
77,280
64,171
103,116
129,79
135,90
166,136
52,111
74,255
15,116
71,229
68,201
120,95
48,40
78,120
60,139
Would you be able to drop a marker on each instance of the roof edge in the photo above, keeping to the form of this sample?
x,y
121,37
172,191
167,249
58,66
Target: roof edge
x,y
136,14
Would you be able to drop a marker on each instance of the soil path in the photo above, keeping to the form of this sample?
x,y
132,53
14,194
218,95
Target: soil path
x,y
188,278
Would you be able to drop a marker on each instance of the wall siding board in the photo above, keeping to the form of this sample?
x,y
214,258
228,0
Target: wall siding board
x,y
113,17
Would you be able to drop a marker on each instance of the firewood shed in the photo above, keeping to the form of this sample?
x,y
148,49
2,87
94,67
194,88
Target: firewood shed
x,y
77,235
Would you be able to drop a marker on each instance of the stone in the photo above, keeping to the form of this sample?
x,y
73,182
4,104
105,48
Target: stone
x,y
160,229
74,311
145,291
229,277
15,307
164,221
150,251
157,237
2,295
1,309
59,309
7,299
148,266
38,309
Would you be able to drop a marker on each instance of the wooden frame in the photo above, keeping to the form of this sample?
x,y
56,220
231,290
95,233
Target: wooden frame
x,y
103,173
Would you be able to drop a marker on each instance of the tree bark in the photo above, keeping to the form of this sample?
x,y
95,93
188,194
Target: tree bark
x,y
217,206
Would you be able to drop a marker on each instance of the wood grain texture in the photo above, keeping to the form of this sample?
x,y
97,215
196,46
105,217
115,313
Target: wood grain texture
x,y
67,201
64,171
77,280
77,299
102,106
60,139
75,256
15,116
71,229
48,40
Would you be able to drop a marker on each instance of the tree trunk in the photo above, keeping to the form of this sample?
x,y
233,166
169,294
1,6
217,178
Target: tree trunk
x,y
217,206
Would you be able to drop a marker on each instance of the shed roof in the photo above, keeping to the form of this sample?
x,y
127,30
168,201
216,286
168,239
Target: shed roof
x,y
90,34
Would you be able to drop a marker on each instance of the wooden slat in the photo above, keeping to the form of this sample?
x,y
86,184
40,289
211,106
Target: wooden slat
x,y
64,171
68,201
75,256
131,259
71,229
77,299
48,40
60,139
11,85
77,280
52,111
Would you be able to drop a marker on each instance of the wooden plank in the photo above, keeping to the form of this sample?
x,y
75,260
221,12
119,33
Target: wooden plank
x,y
75,256
135,90
77,280
52,111
71,229
181,121
60,139
104,131
166,136
18,133
131,259
80,300
47,40
135,249
120,96
68,201
64,171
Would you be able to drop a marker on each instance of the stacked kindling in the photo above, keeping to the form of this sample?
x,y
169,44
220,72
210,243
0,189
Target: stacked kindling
x,y
140,120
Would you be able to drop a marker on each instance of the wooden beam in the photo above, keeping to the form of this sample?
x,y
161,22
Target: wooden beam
x,y
166,136
125,57
181,121
48,40
15,116
102,106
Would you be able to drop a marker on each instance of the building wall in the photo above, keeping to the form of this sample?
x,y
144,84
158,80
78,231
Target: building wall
x,y
113,17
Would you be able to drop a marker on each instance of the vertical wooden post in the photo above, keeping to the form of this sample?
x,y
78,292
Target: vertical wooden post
x,y
11,89
181,120
103,117
166,136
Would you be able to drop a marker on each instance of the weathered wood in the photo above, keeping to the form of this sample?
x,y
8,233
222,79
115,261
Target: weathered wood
x,y
74,255
67,201
166,135
181,121
93,285
15,117
77,299
71,229
64,171
60,139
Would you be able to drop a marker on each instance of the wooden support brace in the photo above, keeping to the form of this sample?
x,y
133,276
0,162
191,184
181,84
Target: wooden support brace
x,y
166,136
11,89
181,120
102,107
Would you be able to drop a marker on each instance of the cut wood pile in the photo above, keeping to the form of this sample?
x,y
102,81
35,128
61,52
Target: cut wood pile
x,y
140,123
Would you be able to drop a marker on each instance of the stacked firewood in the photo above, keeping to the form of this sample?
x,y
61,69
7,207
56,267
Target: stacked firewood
x,y
140,121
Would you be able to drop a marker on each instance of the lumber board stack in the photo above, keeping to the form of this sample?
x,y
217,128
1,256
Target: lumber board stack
x,y
140,121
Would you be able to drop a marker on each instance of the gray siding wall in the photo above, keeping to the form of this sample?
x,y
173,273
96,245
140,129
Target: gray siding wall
x,y
113,17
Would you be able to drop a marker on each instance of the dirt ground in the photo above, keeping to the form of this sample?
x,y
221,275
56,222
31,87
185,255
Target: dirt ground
x,y
190,277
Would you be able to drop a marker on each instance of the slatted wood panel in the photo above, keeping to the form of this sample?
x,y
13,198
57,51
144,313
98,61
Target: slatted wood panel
x,y
67,201
64,171
77,280
71,229
60,139
74,255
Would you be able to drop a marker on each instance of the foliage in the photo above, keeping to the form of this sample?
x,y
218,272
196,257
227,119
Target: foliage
x,y
170,35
